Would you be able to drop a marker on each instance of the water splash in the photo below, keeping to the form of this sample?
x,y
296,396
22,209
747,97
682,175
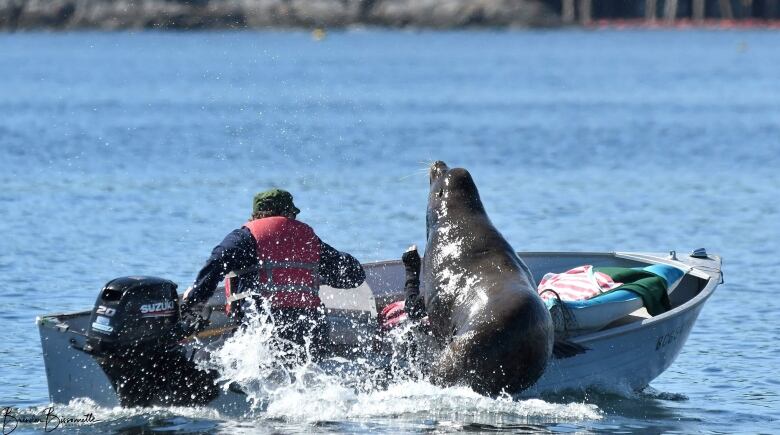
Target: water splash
x,y
337,389
85,414
421,399
259,362
291,390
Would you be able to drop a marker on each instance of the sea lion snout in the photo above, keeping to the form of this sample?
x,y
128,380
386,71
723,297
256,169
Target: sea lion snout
x,y
443,179
452,187
437,170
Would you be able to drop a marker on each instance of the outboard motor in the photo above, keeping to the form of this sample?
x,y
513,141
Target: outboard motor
x,y
134,335
134,311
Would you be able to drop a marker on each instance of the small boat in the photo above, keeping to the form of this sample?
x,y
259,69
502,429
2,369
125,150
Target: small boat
x,y
624,352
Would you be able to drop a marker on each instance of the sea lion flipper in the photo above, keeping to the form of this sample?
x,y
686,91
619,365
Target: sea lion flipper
x,y
413,305
567,349
411,260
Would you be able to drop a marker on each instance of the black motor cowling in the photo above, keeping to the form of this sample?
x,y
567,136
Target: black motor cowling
x,y
134,335
135,311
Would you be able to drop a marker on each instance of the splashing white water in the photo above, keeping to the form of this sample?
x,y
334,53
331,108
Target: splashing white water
x,y
84,414
263,365
422,400
337,389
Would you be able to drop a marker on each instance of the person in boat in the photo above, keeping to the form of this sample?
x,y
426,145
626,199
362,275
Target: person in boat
x,y
280,259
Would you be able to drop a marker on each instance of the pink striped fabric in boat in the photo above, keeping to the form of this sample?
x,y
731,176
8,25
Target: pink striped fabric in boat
x,y
576,284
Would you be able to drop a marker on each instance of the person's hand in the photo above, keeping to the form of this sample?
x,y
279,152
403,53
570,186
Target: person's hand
x,y
194,323
187,307
191,321
188,303
187,294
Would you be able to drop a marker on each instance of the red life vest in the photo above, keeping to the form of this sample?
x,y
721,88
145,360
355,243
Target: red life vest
x,y
289,254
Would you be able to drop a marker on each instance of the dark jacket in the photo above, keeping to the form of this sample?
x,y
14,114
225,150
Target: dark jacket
x,y
239,251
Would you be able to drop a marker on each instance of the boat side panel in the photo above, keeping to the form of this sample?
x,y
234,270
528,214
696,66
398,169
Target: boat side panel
x,y
386,281
622,362
71,373
351,299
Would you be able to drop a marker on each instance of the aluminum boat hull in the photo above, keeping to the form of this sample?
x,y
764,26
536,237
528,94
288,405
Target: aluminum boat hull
x,y
626,355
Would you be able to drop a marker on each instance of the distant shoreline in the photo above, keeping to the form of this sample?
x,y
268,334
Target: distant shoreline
x,y
259,14
65,15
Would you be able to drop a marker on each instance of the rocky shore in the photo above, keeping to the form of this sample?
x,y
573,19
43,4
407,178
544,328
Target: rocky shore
x,y
239,14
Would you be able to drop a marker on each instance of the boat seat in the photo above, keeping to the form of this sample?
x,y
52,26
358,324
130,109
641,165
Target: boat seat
x,y
635,316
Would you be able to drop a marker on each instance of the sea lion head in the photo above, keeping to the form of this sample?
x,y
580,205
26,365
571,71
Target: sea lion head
x,y
453,193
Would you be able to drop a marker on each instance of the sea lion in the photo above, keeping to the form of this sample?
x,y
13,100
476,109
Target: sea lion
x,y
480,297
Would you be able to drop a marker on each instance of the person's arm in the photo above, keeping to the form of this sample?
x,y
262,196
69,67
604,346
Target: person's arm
x,y
237,251
339,269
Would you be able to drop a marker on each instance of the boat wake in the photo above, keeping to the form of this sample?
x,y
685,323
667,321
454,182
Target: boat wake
x,y
406,406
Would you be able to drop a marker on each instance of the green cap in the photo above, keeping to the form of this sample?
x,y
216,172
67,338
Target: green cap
x,y
274,201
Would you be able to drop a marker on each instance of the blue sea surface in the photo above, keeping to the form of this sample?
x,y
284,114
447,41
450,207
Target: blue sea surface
x,y
135,153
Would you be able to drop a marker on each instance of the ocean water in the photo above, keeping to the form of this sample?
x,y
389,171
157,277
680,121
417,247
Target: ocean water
x,y
135,153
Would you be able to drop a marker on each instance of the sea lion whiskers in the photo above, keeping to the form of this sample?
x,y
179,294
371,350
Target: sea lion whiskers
x,y
418,171
423,169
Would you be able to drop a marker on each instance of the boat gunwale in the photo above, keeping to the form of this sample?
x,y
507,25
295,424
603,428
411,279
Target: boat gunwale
x,y
713,275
